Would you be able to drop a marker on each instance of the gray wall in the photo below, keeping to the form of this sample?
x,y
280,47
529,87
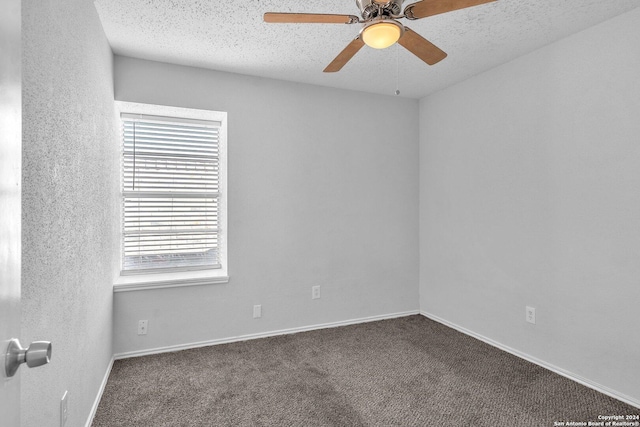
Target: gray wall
x,y
70,210
323,190
529,195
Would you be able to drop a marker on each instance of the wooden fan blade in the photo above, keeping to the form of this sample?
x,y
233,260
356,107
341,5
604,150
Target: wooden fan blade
x,y
309,18
344,56
421,47
425,8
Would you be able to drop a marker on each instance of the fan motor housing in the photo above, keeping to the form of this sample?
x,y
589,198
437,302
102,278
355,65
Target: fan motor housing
x,y
371,9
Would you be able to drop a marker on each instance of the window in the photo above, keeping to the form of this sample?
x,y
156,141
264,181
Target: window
x,y
172,191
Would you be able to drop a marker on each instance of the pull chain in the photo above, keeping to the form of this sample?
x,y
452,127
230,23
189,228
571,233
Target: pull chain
x,y
397,92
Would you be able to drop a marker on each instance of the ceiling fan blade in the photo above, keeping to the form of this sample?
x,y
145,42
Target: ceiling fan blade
x,y
425,8
309,18
421,47
344,56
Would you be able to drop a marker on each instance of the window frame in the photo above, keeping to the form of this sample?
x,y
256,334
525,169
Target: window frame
x,y
152,280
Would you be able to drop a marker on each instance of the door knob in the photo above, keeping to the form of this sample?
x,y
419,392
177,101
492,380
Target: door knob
x,y
38,354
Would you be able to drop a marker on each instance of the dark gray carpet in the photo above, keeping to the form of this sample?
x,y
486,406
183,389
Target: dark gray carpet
x,y
401,372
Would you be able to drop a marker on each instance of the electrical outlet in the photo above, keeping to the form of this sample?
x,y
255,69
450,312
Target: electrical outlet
x,y
142,327
257,311
315,292
64,408
530,315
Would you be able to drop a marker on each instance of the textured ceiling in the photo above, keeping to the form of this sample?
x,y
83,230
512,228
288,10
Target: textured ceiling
x,y
231,36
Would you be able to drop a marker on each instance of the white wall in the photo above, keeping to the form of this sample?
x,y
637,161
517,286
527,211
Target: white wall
x,y
70,211
530,195
323,190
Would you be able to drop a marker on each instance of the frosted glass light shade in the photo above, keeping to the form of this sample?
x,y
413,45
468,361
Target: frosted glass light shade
x,y
381,35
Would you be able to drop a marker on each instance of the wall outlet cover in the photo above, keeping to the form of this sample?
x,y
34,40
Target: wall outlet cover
x,y
530,315
64,408
315,292
142,327
257,311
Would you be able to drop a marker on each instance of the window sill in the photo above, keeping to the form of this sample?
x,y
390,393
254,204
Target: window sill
x,y
169,280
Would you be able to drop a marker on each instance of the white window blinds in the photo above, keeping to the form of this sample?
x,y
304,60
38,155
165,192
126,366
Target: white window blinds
x,y
170,191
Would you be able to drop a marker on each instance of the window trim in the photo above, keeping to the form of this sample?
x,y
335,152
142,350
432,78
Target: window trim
x,y
139,281
174,279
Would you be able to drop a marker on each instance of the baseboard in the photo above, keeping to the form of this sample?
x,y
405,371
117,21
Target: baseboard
x,y
570,375
247,337
96,402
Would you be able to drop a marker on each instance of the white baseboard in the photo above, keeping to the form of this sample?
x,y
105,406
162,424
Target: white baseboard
x,y
96,402
171,348
570,375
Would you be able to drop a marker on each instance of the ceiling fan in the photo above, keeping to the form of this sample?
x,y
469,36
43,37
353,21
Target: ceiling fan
x,y
381,28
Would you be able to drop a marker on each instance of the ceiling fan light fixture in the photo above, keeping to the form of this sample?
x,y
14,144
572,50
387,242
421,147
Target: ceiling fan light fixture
x,y
381,34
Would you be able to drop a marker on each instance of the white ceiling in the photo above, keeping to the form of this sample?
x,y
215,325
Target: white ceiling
x,y
231,36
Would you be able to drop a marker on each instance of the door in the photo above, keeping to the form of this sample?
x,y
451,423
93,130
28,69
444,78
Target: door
x,y
10,200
